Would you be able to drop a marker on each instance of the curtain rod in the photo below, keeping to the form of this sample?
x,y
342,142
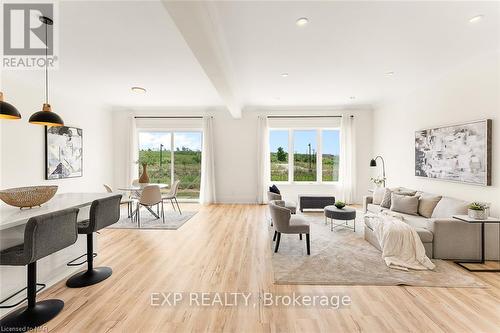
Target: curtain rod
x,y
307,116
169,117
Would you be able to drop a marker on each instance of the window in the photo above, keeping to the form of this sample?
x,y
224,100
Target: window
x,y
304,155
173,153
279,155
330,155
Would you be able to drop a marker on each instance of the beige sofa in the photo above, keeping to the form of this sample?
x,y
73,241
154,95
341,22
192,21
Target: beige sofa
x,y
442,236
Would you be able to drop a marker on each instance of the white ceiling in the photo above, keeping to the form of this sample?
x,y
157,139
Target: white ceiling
x,y
107,47
348,46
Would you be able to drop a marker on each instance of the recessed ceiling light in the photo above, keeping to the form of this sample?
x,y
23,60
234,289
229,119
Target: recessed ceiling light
x,y
352,97
302,21
284,74
138,90
476,19
389,73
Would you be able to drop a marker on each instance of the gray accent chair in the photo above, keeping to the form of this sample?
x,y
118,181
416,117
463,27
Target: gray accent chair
x,y
103,212
43,236
285,223
443,236
292,206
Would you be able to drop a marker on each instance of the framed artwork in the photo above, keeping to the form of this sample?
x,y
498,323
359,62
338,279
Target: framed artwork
x,y
63,152
459,153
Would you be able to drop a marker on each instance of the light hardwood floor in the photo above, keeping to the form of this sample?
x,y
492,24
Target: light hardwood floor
x,y
226,248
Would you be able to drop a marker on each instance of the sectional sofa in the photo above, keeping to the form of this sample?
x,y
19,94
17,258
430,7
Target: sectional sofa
x,y
442,236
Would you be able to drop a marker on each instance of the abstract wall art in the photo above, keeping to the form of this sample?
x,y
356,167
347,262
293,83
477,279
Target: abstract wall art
x,y
460,153
64,152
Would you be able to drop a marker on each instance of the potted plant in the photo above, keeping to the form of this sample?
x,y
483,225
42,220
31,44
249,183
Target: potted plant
x,y
339,204
479,210
378,181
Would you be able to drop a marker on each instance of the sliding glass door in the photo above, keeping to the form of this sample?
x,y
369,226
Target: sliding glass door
x,y
170,156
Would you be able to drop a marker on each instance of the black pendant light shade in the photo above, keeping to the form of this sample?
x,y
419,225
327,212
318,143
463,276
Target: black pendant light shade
x,y
373,163
7,110
46,117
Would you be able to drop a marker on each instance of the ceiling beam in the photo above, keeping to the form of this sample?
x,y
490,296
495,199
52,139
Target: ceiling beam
x,y
197,22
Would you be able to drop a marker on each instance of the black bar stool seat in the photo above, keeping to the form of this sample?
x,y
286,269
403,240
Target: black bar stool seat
x,y
43,235
103,213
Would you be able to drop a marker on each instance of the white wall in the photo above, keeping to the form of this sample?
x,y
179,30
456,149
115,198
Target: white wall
x,y
236,150
470,92
22,145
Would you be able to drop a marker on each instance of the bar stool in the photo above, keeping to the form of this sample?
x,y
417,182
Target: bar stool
x,y
43,235
103,213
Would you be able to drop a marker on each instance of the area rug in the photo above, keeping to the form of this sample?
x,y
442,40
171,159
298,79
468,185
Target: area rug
x,y
343,257
173,221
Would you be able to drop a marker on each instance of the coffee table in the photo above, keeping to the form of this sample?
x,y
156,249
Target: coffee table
x,y
467,219
345,214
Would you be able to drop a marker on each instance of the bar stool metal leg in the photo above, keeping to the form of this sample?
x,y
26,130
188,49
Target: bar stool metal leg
x,y
92,275
35,313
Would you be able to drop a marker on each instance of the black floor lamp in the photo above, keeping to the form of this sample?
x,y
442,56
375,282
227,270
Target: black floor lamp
x,y
373,163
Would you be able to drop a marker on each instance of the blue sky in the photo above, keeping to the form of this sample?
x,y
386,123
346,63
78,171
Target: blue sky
x,y
152,140
331,141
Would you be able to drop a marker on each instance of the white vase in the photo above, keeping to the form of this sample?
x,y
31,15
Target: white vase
x,y
478,214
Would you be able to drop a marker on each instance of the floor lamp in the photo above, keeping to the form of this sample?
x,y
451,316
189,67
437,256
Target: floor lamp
x,y
373,163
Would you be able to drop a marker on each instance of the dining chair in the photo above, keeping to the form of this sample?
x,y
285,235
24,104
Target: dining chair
x,y
150,197
172,195
125,201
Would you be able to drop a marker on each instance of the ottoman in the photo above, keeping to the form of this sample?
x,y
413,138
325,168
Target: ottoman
x,y
345,214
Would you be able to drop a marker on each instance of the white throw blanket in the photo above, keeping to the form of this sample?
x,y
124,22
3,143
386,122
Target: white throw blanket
x,y
401,246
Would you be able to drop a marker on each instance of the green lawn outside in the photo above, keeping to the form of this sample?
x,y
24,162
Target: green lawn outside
x,y
303,169
187,168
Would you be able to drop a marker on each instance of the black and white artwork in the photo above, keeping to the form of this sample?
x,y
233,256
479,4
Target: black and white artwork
x,y
460,153
64,152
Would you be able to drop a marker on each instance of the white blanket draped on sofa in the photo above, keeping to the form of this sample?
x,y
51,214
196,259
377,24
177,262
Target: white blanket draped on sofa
x,y
401,246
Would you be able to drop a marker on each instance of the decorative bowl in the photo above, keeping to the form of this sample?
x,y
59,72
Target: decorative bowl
x,y
28,197
339,204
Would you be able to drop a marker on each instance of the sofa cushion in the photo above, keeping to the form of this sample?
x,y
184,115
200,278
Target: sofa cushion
x,y
373,208
404,191
378,195
404,204
427,203
386,201
447,207
425,235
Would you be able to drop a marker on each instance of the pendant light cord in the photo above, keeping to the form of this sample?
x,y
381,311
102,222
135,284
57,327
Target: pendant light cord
x,y
46,64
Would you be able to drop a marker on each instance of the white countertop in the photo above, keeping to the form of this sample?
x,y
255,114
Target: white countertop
x,y
13,216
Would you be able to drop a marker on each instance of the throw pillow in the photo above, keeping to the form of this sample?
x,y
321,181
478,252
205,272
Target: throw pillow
x,y
386,201
274,189
378,195
404,204
404,191
427,203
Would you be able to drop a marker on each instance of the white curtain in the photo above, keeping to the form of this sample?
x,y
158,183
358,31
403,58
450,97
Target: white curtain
x,y
347,168
207,187
263,160
133,152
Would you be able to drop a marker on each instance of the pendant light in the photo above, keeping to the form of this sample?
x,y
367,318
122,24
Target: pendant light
x,y
7,110
46,116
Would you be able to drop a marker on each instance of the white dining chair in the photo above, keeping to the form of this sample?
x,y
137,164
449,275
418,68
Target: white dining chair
x,y
172,195
150,196
125,201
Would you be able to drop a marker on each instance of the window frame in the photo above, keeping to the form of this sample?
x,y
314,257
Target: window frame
x,y
291,158
172,147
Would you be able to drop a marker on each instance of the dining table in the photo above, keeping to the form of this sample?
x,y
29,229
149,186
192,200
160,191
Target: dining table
x,y
136,189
